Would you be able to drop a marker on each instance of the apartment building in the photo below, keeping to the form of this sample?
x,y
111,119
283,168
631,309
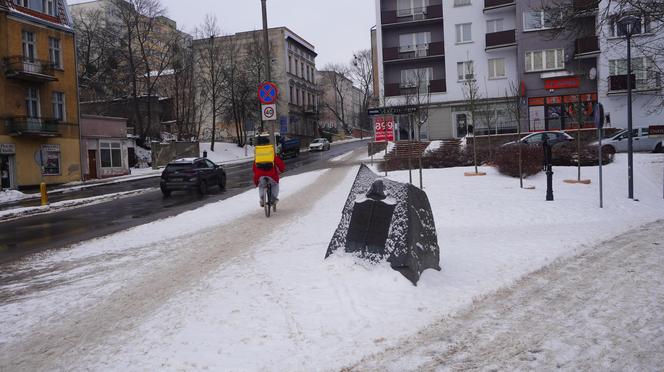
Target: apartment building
x,y
562,58
647,62
558,68
293,70
448,45
39,135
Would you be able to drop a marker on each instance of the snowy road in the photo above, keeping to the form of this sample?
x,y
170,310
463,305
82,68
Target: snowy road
x,y
143,280
601,310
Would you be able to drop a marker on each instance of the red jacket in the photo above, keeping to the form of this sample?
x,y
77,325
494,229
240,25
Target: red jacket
x,y
278,168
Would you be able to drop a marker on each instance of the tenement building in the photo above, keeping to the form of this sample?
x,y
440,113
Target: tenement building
x,y
39,131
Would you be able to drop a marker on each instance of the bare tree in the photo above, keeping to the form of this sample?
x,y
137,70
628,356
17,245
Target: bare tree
x,y
515,112
99,72
473,97
182,89
336,77
362,74
418,99
211,75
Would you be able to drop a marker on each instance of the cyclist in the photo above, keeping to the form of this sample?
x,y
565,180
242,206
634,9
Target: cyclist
x,y
267,165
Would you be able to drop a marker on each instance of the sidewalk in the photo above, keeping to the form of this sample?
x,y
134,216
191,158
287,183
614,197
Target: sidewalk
x,y
600,310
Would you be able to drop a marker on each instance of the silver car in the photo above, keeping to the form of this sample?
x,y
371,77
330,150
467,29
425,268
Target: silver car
x,y
642,142
319,144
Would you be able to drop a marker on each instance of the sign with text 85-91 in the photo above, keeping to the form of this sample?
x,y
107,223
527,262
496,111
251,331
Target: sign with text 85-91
x,y
384,128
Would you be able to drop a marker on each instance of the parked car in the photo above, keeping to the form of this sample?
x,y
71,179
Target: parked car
x,y
555,138
641,142
319,144
192,174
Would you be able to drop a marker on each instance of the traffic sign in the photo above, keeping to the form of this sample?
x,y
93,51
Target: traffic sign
x,y
267,93
269,112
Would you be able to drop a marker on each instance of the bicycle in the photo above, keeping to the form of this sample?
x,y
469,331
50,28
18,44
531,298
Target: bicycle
x,y
269,204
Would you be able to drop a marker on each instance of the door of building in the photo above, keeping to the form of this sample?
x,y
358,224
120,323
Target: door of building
x,y
92,163
462,125
6,172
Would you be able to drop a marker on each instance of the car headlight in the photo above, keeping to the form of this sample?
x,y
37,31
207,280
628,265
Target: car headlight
x,y
193,179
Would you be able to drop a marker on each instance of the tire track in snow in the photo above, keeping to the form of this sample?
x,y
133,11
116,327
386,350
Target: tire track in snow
x,y
70,337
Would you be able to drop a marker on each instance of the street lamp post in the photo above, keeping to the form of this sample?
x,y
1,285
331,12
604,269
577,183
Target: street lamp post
x,y
628,25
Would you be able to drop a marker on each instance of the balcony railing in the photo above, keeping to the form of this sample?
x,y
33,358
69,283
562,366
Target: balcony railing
x,y
25,126
310,109
412,15
398,89
413,52
18,67
492,4
501,39
587,46
585,5
618,83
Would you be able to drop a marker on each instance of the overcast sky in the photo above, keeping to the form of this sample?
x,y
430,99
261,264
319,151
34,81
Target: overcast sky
x,y
336,28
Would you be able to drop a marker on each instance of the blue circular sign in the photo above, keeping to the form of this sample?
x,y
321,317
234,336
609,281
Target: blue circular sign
x,y
267,93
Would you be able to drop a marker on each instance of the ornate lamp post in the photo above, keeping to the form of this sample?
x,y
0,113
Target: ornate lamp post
x,y
629,25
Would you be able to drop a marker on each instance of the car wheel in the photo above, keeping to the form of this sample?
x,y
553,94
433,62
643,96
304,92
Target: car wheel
x,y
222,183
166,192
658,148
202,188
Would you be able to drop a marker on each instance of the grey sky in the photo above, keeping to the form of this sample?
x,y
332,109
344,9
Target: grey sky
x,y
337,28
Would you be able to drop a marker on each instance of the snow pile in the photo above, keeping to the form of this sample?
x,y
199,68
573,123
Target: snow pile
x,y
433,147
143,156
227,152
272,290
7,196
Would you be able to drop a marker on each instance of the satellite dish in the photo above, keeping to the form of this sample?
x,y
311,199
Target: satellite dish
x,y
593,73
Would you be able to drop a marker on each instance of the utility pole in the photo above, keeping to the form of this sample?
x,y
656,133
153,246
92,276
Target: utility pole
x,y
268,74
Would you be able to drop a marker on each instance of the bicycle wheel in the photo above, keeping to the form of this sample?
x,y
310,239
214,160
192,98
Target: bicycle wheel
x,y
268,200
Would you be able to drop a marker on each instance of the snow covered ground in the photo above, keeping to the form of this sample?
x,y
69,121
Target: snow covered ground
x,y
223,288
227,152
8,196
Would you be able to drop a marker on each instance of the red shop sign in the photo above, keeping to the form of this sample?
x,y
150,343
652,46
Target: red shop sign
x,y
562,83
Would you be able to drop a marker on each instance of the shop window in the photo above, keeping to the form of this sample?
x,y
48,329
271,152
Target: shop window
x,y
111,154
50,158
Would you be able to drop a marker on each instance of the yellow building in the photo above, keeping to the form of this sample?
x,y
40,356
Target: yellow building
x,y
39,119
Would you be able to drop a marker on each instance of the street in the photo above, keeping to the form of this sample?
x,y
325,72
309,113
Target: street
x,y
29,235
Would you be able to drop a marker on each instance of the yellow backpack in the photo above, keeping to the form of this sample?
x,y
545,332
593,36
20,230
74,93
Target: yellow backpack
x,y
264,157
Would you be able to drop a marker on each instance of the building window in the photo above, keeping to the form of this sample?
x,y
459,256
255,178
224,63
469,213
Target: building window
x,y
32,103
29,54
417,78
496,68
643,68
465,71
297,96
543,60
54,53
290,64
406,8
461,2
538,20
292,95
463,33
50,159
59,113
643,26
23,3
494,25
415,42
49,7
111,154
302,69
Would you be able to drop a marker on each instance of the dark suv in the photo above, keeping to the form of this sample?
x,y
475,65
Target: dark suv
x,y
192,174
